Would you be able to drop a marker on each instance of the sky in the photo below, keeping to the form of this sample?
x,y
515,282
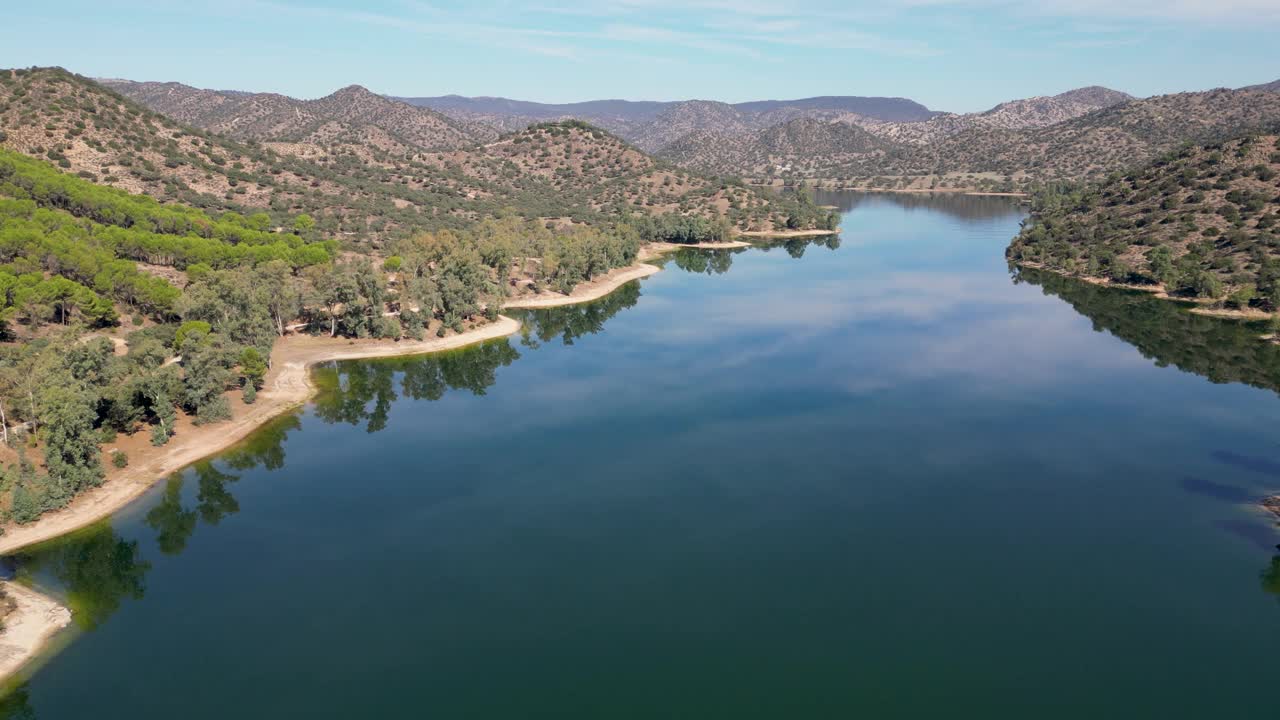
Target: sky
x,y
957,55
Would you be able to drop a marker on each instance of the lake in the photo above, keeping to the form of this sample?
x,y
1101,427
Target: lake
x,y
871,477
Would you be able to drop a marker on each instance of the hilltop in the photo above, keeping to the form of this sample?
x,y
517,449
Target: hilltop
x,y
652,125
847,140
353,187
1013,115
352,115
1198,223
803,147
1273,86
1098,142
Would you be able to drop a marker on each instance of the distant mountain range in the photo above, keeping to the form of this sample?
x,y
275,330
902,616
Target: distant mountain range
x,y
628,118
356,162
1273,86
857,141
352,115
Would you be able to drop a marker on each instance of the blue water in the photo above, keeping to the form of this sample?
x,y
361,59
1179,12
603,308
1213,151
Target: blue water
x,y
877,479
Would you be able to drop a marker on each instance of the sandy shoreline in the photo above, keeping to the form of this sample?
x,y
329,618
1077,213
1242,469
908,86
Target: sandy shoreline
x,y
834,186
787,233
587,291
286,386
26,630
726,245
950,191
1159,291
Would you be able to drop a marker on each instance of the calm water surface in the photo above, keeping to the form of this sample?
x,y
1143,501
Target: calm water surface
x,y
876,479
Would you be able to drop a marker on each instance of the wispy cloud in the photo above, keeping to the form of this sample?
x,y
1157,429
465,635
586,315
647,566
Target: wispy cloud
x,y
1235,12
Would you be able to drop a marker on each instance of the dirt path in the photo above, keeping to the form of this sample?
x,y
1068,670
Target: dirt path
x,y
35,619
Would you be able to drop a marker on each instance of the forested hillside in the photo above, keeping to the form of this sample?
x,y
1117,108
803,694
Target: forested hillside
x,y
858,142
356,190
1100,142
1202,222
651,125
352,115
1021,114
147,268
82,268
798,148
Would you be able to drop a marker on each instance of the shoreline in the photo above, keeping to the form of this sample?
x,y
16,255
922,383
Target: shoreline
x,y
1200,307
586,291
664,247
949,191
287,386
786,233
35,619
1269,504
818,184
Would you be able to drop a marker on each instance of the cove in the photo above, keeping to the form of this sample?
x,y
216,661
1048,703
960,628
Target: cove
x,y
879,476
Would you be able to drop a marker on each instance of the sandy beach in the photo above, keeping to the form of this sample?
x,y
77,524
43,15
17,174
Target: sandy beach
x,y
787,233
587,291
33,621
726,245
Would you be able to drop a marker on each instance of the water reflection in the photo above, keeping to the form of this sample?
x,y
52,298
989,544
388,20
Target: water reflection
x,y
106,570
1271,576
978,208
705,262
796,247
362,391
1164,332
172,522
16,704
96,568
1222,351
571,322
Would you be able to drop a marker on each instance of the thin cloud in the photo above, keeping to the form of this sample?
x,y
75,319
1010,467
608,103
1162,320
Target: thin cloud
x,y
1232,12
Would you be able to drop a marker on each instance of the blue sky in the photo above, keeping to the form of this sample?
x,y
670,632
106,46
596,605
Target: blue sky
x,y
959,55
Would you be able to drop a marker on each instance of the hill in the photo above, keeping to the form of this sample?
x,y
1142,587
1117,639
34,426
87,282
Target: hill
x,y
352,115
1083,133
1273,86
802,147
1199,223
653,125
1101,141
723,139
617,116
354,188
1013,115
878,108
694,116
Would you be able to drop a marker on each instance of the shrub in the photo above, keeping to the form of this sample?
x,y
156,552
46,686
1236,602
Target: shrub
x,y
26,504
120,459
